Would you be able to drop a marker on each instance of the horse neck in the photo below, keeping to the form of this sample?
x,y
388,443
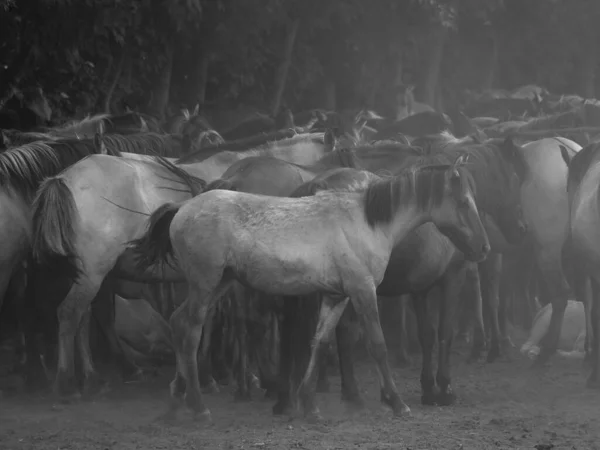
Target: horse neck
x,y
405,220
301,153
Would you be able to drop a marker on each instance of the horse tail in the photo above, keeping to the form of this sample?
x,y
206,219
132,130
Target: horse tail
x,y
155,245
54,216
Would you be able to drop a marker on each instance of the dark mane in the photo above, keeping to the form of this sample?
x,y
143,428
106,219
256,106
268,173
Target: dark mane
x,y
580,164
342,157
24,168
340,179
490,170
423,187
144,143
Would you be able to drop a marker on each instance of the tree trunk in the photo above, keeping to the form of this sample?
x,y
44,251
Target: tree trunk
x,y
330,95
163,85
115,81
434,64
203,66
587,67
284,66
490,76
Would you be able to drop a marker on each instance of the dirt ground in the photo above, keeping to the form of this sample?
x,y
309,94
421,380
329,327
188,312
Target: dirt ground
x,y
502,405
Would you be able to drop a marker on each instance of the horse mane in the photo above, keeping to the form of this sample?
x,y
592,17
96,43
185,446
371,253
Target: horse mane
x,y
149,143
17,137
489,169
343,157
344,179
74,127
567,119
24,168
195,185
421,186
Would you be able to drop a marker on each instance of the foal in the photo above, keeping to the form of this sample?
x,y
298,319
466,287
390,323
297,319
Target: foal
x,y
334,243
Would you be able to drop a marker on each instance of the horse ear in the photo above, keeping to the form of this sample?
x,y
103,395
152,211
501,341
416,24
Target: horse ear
x,y
196,109
565,155
186,113
99,144
329,140
5,139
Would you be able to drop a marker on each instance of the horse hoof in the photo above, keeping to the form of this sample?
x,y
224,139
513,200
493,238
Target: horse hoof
x,y
280,408
401,409
354,401
314,417
211,388
271,394
74,397
94,385
240,396
403,362
446,398
203,416
429,399
322,387
492,356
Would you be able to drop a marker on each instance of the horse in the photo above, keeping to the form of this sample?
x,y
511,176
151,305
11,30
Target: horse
x,y
419,124
110,199
337,244
583,184
546,210
426,259
128,123
22,169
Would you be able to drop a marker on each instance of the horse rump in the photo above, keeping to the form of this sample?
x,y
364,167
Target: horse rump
x,y
53,239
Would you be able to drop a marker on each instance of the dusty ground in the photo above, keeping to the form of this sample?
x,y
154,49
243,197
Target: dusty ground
x,y
504,405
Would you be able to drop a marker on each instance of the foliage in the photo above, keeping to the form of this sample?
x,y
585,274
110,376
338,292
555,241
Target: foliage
x,y
76,48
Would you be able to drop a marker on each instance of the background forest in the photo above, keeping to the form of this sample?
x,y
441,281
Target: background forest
x,y
158,56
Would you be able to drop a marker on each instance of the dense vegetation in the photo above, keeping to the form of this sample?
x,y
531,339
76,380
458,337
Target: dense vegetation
x,y
160,55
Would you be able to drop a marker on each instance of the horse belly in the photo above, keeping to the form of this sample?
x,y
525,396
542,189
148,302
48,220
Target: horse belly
x,y
291,271
572,327
142,328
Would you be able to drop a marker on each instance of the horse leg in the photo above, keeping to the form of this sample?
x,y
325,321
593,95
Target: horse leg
x,y
472,285
240,301
365,304
426,339
92,383
186,325
451,286
70,314
402,357
594,379
345,344
208,383
490,270
286,351
329,316
30,323
554,287
106,316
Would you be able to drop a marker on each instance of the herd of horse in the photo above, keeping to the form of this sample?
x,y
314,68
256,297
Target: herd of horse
x,y
320,225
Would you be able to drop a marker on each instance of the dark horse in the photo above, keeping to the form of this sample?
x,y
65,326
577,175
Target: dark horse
x,y
581,250
426,259
22,169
